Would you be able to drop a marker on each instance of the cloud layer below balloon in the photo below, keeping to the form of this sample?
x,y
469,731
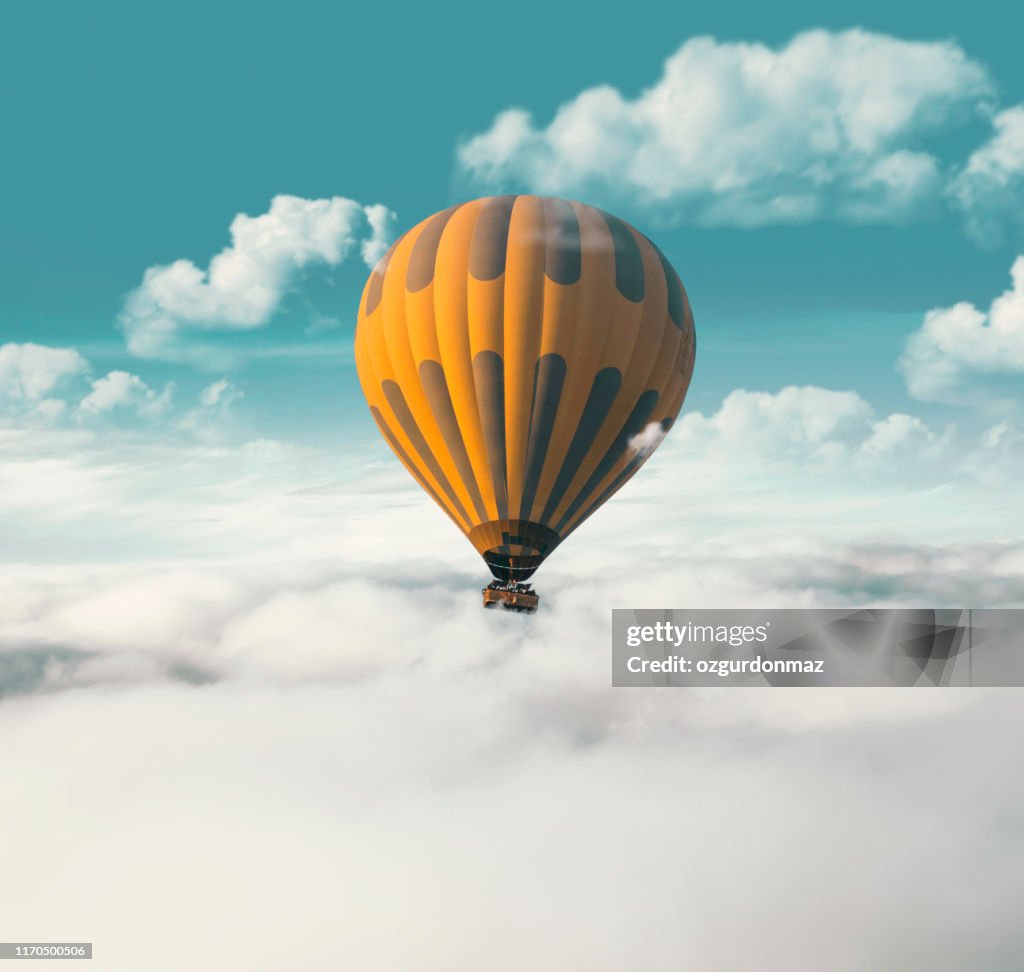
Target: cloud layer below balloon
x,y
221,683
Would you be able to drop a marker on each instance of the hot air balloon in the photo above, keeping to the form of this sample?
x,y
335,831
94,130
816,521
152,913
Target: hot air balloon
x,y
522,356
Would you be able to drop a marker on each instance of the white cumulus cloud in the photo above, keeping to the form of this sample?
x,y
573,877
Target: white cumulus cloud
x,y
961,348
29,372
828,126
245,282
121,389
45,392
990,188
795,422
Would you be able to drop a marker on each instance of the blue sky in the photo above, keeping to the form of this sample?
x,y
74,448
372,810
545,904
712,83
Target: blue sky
x,y
133,143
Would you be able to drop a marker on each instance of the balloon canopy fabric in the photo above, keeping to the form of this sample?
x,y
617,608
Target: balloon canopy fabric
x,y
523,356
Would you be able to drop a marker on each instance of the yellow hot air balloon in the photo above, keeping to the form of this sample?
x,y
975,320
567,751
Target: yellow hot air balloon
x,y
511,350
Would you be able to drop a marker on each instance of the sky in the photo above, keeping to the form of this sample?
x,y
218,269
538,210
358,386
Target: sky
x,y
232,702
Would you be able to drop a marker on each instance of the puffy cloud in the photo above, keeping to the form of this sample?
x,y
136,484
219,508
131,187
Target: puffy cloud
x,y
961,347
802,429
48,390
43,385
739,134
899,435
29,372
824,463
797,421
120,389
989,190
175,305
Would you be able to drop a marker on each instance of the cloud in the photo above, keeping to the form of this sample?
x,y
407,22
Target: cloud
x,y
989,191
797,421
899,435
496,841
960,350
267,664
44,386
808,429
177,305
389,734
221,392
120,389
322,621
29,372
46,391
823,458
208,420
382,230
830,125
646,441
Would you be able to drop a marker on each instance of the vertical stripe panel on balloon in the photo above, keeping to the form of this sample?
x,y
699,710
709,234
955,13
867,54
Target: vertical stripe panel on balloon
x,y
617,451
451,320
486,317
427,438
436,389
378,363
548,381
489,374
413,432
419,286
589,317
559,322
625,334
670,402
422,325
602,395
646,362
524,307
654,355
371,366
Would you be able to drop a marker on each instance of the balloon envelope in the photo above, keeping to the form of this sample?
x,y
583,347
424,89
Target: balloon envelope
x,y
523,356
